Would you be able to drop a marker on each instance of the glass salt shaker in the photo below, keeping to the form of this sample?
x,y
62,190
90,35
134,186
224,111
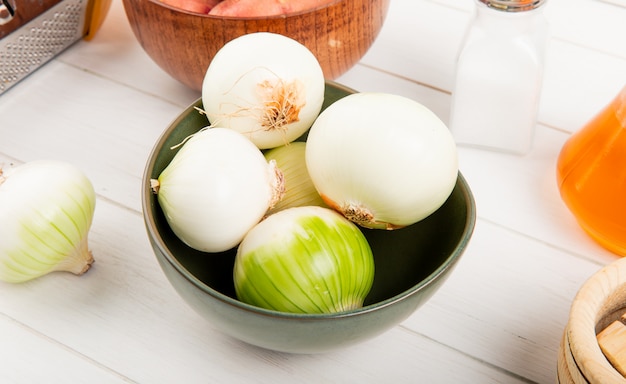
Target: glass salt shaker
x,y
499,73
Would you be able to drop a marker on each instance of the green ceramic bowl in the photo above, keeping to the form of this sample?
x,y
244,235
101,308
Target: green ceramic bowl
x,y
411,264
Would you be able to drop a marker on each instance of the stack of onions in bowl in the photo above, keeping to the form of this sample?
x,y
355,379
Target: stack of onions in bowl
x,y
294,208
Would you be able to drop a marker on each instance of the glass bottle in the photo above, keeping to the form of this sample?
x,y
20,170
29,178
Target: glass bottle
x,y
499,76
591,175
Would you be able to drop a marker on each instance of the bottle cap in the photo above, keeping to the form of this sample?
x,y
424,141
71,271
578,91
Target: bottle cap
x,y
513,5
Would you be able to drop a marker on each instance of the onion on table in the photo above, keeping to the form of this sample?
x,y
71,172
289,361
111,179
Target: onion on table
x,y
46,211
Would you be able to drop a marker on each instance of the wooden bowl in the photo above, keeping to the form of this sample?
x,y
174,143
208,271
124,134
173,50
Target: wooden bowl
x,y
183,43
598,303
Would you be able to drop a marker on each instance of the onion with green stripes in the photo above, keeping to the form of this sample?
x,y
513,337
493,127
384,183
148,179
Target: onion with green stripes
x,y
304,260
46,210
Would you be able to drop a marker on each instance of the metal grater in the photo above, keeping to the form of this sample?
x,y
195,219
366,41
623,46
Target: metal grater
x,y
37,40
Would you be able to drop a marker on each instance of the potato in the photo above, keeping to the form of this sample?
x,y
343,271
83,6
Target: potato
x,y
196,6
255,8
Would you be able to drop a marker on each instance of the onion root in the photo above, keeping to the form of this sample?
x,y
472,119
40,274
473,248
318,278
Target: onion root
x,y
154,186
361,215
79,261
277,184
283,102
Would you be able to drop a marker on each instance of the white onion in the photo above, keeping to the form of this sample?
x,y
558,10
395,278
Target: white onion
x,y
46,210
299,189
216,188
264,85
382,160
304,260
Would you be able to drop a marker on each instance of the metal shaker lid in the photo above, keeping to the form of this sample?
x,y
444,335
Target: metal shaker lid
x,y
513,5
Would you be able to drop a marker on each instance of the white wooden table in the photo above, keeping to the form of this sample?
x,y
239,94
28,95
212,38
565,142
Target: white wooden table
x,y
102,105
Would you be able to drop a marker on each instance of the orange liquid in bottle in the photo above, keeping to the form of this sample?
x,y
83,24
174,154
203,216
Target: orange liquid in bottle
x,y
591,175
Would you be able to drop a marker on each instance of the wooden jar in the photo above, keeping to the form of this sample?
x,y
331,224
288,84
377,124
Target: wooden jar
x,y
600,302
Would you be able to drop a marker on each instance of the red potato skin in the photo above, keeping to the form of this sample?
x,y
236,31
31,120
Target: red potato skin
x,y
254,8
196,6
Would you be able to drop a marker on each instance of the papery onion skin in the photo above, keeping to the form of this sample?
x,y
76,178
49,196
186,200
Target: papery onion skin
x,y
265,85
217,187
382,160
299,189
46,212
304,260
